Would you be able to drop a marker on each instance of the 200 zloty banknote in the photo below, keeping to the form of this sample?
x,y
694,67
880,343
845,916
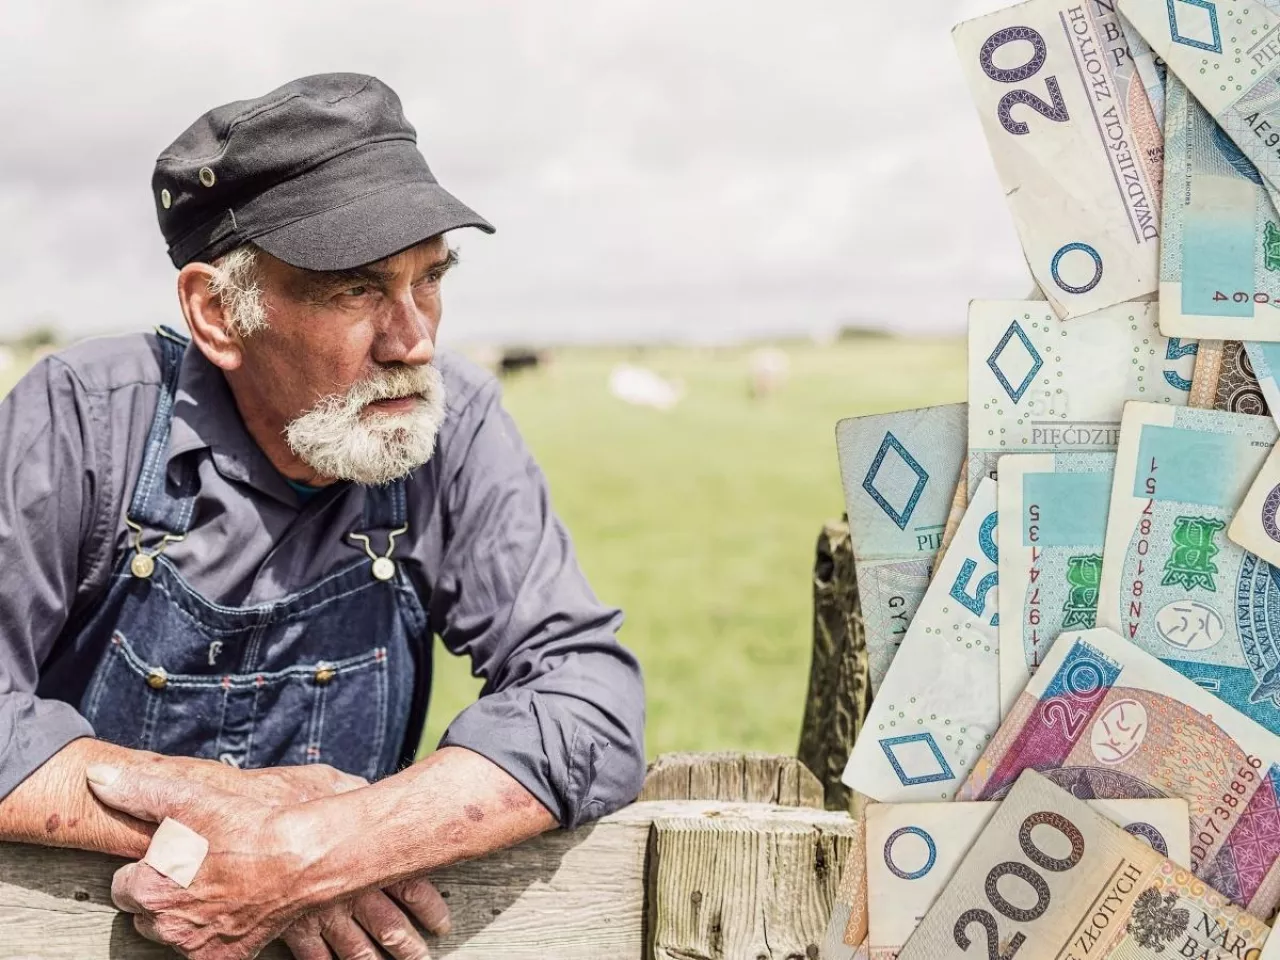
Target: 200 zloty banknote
x,y
1172,581
899,472
939,703
1075,144
1052,879
1038,384
1053,511
913,849
1103,718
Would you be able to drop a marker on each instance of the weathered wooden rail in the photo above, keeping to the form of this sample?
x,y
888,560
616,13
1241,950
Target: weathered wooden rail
x,y
724,857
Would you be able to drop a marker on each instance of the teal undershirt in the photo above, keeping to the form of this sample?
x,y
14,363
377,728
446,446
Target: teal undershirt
x,y
304,491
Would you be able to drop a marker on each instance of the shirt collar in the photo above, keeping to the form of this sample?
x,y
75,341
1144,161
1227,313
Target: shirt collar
x,y
205,416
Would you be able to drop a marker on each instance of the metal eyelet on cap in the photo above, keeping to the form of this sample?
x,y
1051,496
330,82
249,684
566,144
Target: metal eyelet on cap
x,y
166,200
207,177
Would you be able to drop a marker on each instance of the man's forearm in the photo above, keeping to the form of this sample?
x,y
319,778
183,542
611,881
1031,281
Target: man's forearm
x,y
54,807
453,805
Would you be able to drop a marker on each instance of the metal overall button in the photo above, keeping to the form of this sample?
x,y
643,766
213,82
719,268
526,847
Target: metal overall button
x,y
143,564
157,679
325,673
384,568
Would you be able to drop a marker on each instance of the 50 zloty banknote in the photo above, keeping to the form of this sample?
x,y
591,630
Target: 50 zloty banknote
x,y
1075,144
939,703
1172,582
1102,718
1053,511
898,471
1052,879
913,849
1038,384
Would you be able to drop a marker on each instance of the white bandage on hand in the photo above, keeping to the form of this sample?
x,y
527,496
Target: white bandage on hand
x,y
176,851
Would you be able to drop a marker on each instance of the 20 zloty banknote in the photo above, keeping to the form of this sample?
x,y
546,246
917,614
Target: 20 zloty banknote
x,y
939,703
1053,511
898,472
1220,252
1052,879
1075,144
1172,582
1038,384
914,848
1102,718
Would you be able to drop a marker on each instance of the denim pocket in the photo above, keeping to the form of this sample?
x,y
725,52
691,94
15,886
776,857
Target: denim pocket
x,y
333,712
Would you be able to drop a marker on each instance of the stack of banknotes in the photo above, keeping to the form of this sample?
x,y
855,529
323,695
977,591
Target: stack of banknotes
x,y
1071,584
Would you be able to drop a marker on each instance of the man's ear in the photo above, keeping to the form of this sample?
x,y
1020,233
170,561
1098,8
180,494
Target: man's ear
x,y
207,318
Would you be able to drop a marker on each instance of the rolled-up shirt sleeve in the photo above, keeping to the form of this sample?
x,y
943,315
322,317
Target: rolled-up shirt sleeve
x,y
562,707
46,516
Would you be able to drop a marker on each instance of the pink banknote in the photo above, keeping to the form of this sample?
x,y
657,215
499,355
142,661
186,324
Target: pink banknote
x,y
1105,720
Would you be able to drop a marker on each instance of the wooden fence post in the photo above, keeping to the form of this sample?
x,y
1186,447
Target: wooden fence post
x,y
839,675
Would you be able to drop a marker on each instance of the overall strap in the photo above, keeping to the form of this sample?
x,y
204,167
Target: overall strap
x,y
385,507
158,504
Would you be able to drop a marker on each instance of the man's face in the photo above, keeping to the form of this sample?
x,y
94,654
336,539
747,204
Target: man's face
x,y
343,367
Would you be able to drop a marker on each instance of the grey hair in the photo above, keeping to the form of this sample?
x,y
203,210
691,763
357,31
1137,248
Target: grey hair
x,y
236,283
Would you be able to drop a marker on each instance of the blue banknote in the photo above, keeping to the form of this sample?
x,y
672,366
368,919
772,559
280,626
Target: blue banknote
x,y
1172,581
899,473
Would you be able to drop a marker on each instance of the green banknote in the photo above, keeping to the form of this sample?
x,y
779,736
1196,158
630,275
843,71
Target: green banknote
x,y
1172,581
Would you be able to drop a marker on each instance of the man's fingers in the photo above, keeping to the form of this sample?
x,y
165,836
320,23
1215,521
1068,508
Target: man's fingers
x,y
348,940
389,927
305,941
424,902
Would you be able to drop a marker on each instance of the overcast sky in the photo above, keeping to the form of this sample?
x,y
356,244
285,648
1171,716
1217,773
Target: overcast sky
x,y
656,169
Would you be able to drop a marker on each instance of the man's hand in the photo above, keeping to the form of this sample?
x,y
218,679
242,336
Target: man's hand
x,y
247,891
348,926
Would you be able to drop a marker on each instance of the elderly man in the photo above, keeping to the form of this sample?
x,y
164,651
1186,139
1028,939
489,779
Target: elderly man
x,y
223,559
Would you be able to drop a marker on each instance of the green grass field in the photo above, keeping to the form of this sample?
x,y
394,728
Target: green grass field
x,y
700,522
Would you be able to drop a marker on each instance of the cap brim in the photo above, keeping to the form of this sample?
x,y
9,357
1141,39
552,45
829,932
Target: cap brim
x,y
370,228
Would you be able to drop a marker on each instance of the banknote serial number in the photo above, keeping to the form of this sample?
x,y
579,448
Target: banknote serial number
x,y
1260,128
1237,794
1028,875
1143,547
1241,296
1032,626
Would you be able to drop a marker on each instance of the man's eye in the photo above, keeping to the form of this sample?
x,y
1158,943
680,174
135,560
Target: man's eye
x,y
357,291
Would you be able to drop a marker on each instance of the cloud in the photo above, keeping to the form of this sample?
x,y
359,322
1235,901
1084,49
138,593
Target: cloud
x,y
655,169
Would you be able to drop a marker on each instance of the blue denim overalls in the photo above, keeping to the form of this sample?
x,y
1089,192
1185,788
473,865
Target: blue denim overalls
x,y
326,675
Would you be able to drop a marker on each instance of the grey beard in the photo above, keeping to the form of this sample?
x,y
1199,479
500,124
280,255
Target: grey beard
x,y
335,440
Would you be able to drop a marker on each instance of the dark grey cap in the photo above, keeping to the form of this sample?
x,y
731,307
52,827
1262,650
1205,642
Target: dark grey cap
x,y
323,172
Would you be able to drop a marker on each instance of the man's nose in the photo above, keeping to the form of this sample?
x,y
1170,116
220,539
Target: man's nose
x,y
408,335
